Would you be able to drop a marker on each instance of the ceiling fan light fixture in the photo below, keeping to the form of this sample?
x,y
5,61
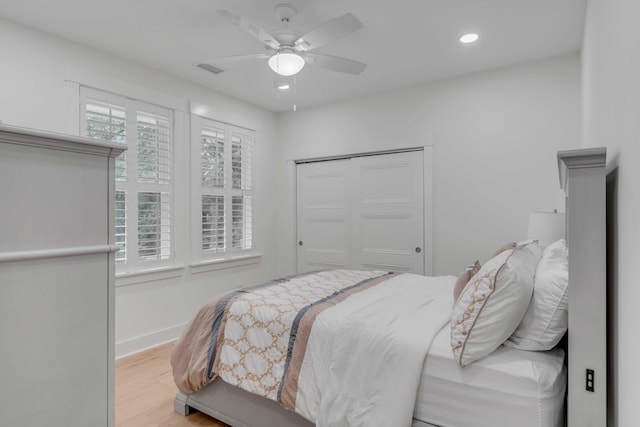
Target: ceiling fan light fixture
x,y
286,63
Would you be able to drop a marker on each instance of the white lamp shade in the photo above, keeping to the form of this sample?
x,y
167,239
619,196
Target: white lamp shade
x,y
286,63
546,227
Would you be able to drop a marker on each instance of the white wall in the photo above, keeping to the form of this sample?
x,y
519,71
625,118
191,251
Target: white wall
x,y
495,137
33,70
611,118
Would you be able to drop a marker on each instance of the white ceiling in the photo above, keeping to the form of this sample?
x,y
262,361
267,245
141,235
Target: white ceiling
x,y
404,42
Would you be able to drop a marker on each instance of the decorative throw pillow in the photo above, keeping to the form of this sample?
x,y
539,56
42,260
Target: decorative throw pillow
x,y
546,319
464,278
493,303
506,247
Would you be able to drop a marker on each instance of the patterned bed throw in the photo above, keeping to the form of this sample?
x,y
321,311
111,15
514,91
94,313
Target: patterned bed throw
x,y
341,347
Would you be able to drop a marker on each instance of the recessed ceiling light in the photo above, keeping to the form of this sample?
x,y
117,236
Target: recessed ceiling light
x,y
469,38
284,86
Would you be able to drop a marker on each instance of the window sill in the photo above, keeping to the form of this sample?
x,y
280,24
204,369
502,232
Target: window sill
x,y
150,275
219,264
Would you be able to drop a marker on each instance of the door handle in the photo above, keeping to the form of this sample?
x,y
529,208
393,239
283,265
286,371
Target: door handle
x,y
418,249
300,243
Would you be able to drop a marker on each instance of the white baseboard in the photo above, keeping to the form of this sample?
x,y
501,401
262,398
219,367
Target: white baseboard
x,y
144,342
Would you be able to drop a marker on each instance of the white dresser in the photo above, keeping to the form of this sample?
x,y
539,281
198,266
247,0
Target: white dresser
x,y
57,276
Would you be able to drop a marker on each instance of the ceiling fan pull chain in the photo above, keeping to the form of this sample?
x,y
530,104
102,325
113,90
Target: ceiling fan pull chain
x,y
295,89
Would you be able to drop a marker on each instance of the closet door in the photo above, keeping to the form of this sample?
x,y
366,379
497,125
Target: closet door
x,y
362,213
387,212
323,219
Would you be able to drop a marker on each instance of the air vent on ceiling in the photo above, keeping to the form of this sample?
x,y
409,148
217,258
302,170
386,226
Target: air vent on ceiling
x,y
210,68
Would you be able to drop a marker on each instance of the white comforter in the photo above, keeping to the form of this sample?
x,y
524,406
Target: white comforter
x,y
341,347
365,355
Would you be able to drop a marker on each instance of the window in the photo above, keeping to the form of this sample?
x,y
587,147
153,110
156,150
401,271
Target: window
x,y
224,188
143,214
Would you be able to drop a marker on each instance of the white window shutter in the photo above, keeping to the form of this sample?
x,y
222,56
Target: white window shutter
x,y
154,226
121,226
241,160
144,211
225,154
213,235
212,157
242,191
154,148
241,222
108,122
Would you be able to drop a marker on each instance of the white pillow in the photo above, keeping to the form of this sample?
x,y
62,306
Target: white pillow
x,y
546,319
493,303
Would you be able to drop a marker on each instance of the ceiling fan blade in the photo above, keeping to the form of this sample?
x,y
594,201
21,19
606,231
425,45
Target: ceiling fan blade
x,y
249,27
335,63
328,32
234,58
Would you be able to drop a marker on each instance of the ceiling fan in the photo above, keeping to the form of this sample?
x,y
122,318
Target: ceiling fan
x,y
287,51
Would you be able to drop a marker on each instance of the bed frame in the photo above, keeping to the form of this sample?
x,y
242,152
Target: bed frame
x,y
583,179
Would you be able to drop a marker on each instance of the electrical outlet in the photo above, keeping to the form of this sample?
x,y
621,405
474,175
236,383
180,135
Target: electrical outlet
x,y
590,380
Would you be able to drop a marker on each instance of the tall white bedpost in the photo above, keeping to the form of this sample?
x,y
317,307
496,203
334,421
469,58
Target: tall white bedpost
x,y
583,178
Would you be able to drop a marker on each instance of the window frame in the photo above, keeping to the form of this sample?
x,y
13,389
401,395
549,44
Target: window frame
x,y
132,186
202,260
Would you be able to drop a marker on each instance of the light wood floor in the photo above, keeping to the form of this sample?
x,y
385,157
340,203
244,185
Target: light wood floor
x,y
145,392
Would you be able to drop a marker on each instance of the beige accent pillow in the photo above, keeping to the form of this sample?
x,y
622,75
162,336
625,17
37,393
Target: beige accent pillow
x,y
493,303
546,319
464,278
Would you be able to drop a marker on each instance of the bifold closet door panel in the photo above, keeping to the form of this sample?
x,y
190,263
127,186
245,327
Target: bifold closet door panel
x,y
323,215
388,212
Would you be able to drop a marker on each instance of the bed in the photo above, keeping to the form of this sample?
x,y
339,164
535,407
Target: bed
x,y
447,377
